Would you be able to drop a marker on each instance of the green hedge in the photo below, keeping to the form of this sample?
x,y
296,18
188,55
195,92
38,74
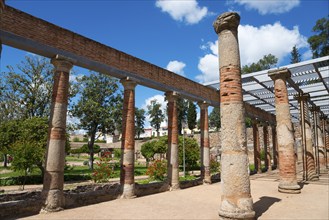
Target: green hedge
x,y
85,149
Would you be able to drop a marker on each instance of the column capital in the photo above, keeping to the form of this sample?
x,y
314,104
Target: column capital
x,y
62,63
171,96
128,84
203,105
282,73
302,97
315,109
227,21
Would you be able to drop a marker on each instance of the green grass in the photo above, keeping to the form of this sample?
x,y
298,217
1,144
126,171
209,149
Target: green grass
x,y
187,177
13,173
76,159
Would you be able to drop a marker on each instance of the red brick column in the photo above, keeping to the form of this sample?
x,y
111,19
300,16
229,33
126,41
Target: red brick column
x,y
236,201
268,162
275,147
128,139
173,169
255,132
205,148
284,129
53,182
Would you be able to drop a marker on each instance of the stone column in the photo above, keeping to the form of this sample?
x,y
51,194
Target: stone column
x,y
257,161
314,110
284,129
268,163
321,142
205,150
128,140
324,136
53,182
173,166
236,201
275,147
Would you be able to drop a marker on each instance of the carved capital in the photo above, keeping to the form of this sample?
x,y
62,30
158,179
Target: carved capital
x,y
282,73
128,84
227,21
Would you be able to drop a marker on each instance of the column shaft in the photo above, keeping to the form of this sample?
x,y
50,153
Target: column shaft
x,y
53,182
284,129
236,201
173,165
205,148
275,147
268,162
128,140
257,161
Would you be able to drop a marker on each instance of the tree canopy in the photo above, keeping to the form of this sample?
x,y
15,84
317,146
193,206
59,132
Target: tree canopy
x,y
295,55
267,62
191,115
214,118
139,121
156,115
319,42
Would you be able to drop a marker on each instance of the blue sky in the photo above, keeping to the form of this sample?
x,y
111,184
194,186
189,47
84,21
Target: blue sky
x,y
178,35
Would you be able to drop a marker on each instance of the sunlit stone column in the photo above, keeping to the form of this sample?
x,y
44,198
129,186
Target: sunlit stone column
x,y
205,148
268,162
320,141
275,147
173,169
53,182
284,129
128,139
324,136
236,201
255,132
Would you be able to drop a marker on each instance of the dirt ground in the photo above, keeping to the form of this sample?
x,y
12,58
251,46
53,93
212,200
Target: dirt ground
x,y
202,202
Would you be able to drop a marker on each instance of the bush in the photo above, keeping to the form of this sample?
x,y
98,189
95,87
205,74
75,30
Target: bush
x,y
85,149
262,154
117,153
103,169
85,163
157,170
214,166
76,139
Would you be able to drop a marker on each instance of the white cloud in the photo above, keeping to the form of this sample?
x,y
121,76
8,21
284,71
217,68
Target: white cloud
x,y
255,42
176,67
269,6
187,11
160,99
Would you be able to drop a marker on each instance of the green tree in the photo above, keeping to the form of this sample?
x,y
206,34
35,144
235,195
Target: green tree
x,y
8,136
214,118
148,151
192,152
320,41
182,106
139,121
295,55
156,115
98,107
191,115
267,62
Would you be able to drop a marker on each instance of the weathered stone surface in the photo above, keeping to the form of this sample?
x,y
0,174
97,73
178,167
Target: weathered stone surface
x,y
204,143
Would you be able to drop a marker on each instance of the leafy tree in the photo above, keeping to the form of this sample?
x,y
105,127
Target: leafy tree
x,y
192,152
139,121
267,62
191,116
295,55
156,115
98,107
214,118
320,41
182,106
8,136
148,151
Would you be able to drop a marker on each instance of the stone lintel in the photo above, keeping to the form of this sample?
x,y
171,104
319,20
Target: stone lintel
x,y
227,21
128,84
282,73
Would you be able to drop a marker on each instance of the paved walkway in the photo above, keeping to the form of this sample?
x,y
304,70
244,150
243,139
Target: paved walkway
x,y
202,202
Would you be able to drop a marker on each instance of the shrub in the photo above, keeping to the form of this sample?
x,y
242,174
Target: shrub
x,y
262,154
85,163
85,149
157,170
117,153
214,166
103,169
76,139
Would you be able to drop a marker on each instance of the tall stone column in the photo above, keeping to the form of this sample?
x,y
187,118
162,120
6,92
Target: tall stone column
x,y
257,161
53,182
173,165
321,141
314,110
275,147
236,201
205,148
284,129
324,136
268,162
128,140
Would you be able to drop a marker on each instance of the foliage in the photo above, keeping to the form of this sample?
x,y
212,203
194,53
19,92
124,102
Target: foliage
x,y
182,106
85,149
156,115
214,118
157,170
295,55
117,153
8,136
248,122
267,62
320,41
214,166
103,169
191,115
99,107
139,121
148,151
262,154
192,152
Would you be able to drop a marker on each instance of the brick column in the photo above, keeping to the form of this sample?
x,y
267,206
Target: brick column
x,y
173,166
284,129
268,162
257,161
275,147
205,150
128,139
236,201
53,182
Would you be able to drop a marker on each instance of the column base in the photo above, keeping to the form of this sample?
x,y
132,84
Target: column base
x,y
242,209
53,201
313,178
248,215
174,187
128,191
207,181
291,189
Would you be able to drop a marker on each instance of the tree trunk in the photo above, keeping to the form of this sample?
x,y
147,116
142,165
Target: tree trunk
x,y
5,160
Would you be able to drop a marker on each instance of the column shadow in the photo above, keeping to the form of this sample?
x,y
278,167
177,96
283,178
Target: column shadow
x,y
263,204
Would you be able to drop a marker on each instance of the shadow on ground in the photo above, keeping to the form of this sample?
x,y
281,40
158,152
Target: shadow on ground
x,y
263,204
